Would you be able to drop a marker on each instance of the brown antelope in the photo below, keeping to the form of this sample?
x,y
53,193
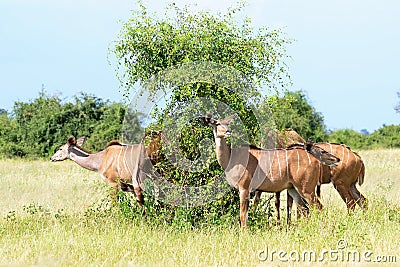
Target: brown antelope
x,y
248,168
344,178
284,139
117,164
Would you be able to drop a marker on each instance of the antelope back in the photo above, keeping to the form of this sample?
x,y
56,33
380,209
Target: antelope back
x,y
350,166
283,167
303,166
122,162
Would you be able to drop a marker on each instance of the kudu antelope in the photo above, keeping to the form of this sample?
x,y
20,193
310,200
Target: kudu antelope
x,y
248,168
117,164
344,177
284,139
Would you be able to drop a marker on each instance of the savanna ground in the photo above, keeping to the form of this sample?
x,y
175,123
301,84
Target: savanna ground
x,y
56,214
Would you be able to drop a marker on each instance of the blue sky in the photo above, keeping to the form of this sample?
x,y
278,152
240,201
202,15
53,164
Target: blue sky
x,y
346,55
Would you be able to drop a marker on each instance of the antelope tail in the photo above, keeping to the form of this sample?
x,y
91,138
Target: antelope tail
x,y
362,174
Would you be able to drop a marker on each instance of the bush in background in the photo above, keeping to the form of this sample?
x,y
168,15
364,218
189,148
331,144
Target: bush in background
x,y
37,128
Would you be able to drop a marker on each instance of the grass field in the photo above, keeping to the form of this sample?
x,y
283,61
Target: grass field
x,y
54,214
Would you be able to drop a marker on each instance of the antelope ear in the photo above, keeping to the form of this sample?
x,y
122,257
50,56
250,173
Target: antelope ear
x,y
208,119
80,141
71,141
230,118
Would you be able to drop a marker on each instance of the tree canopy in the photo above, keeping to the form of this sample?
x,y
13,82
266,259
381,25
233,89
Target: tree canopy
x,y
293,110
148,44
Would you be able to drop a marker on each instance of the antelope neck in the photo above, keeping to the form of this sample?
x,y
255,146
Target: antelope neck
x,y
78,152
223,152
84,159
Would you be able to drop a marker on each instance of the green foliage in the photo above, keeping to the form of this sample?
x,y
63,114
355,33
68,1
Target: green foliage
x,y
148,44
293,110
388,136
9,145
37,128
349,137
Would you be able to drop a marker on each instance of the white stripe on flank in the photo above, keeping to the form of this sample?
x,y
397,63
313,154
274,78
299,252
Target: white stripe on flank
x,y
348,156
270,164
118,162
125,161
309,160
279,165
298,162
330,145
132,161
287,163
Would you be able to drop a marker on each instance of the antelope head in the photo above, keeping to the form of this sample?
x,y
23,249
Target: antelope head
x,y
64,151
220,127
322,155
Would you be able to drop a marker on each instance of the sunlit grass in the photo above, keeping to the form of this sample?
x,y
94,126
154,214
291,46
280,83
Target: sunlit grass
x,y
56,214
62,185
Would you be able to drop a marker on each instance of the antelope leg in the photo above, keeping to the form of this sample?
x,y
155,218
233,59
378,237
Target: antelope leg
x,y
345,194
257,196
360,199
277,205
289,208
302,205
244,207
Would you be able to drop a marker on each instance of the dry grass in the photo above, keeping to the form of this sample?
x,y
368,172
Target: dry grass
x,y
56,186
51,216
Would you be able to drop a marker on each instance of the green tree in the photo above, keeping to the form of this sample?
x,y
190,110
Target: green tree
x,y
9,145
109,126
37,128
148,45
353,139
388,136
35,123
293,110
